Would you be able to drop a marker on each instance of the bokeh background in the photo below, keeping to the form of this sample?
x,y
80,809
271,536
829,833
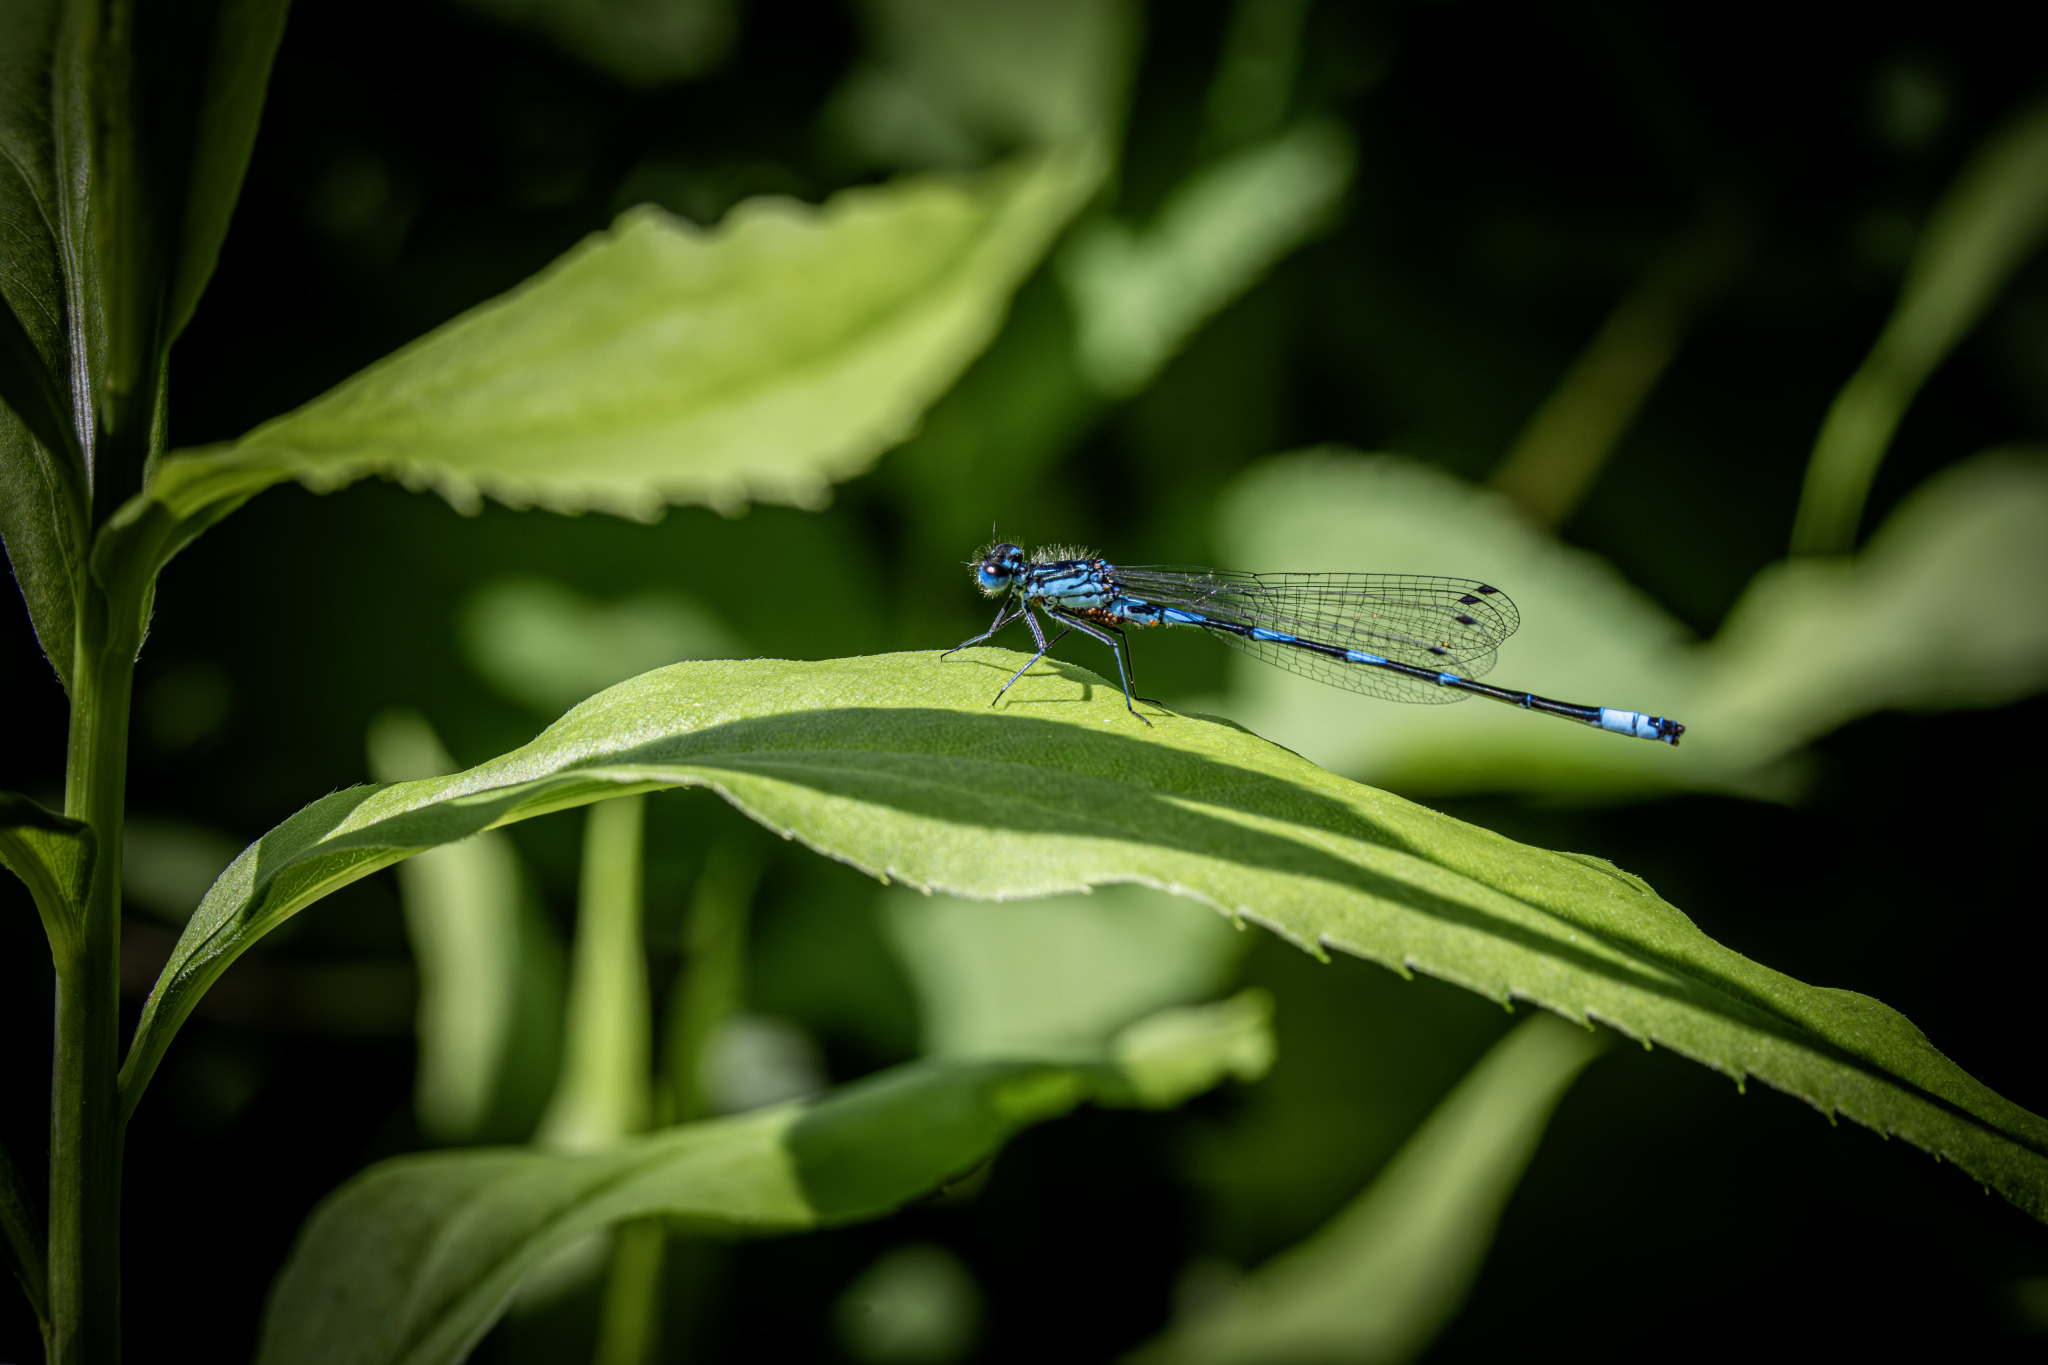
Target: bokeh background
x,y
1482,191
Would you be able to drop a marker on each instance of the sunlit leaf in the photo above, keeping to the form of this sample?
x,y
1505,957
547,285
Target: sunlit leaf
x,y
1586,636
1139,294
1947,606
1053,977
1911,622
657,363
413,1260
897,765
1985,228
1383,1277
546,645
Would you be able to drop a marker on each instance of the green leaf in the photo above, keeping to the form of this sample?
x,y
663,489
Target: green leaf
x,y
490,1001
642,43
546,646
897,765
53,855
602,1094
657,363
1947,606
1384,1276
1985,228
1054,977
42,472
413,1260
951,85
1808,647
245,38
1139,295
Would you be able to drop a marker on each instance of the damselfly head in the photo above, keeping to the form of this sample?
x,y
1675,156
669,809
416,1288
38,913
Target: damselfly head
x,y
997,569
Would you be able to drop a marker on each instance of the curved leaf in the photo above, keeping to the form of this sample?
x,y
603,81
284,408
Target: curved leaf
x,y
413,1260
1380,1279
1906,622
53,855
1991,220
896,765
658,363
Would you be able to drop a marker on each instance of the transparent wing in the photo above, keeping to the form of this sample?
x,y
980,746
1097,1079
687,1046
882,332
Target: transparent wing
x,y
1447,625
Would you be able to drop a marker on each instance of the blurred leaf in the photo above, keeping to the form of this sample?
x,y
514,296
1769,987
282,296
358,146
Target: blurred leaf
x,y
490,990
53,855
1587,636
1384,1276
545,645
657,363
414,1259
1984,229
1138,295
245,37
167,865
896,765
602,1095
23,1239
1255,78
953,82
1174,1055
642,43
914,1304
1946,607
706,1073
1056,977
1810,646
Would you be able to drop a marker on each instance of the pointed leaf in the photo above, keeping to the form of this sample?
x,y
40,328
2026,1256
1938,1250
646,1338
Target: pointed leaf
x,y
657,363
1812,644
411,1262
1985,228
41,471
245,37
1377,1282
896,765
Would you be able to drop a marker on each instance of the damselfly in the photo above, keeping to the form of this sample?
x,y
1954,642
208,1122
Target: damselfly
x,y
1404,637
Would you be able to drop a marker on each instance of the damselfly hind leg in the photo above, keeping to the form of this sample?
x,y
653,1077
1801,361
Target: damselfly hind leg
x,y
1043,645
1122,673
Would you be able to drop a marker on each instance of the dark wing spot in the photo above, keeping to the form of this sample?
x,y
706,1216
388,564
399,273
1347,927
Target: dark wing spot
x,y
1483,588
1434,650
1465,620
1468,599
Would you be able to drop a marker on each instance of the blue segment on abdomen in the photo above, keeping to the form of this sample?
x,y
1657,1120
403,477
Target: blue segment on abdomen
x,y
1359,656
1261,633
1628,723
1182,618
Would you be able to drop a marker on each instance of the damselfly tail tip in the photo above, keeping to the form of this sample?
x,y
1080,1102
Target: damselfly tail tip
x,y
1668,730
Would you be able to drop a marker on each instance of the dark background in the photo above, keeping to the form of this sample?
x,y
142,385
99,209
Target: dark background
x,y
1518,166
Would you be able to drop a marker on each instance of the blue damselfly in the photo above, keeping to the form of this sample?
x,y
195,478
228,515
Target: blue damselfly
x,y
1403,637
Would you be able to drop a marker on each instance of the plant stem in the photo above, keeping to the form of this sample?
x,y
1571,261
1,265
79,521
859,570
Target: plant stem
x,y
85,1129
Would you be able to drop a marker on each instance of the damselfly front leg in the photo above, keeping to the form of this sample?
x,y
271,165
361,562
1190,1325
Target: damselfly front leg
x,y
1043,645
1005,614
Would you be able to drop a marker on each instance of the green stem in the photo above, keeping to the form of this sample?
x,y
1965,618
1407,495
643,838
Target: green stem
x,y
85,1128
